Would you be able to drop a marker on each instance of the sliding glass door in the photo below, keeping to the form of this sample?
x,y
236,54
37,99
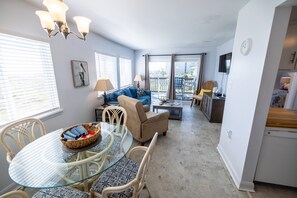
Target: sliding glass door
x,y
186,76
159,68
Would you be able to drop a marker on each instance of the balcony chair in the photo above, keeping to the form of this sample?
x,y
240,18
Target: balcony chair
x,y
127,178
206,87
143,123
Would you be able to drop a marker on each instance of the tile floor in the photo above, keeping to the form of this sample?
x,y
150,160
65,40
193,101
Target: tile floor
x,y
187,164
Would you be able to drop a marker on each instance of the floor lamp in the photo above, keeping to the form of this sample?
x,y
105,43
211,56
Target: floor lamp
x,y
104,85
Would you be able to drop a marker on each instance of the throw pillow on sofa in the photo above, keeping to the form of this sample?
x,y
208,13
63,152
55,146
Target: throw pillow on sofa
x,y
140,92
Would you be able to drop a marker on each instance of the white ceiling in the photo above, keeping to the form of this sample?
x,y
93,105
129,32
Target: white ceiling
x,y
155,24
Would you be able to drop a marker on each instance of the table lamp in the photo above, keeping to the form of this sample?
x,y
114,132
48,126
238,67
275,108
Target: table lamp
x,y
104,85
285,82
137,79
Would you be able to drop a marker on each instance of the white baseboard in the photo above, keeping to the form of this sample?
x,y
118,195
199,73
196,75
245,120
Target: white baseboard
x,y
229,166
8,188
247,186
241,185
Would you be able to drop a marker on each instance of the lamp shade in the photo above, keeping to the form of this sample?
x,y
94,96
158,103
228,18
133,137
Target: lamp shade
x,y
57,10
46,20
137,78
103,85
285,80
82,23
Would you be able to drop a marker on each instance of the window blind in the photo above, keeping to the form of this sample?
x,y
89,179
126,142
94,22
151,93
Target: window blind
x,y
27,80
125,72
106,67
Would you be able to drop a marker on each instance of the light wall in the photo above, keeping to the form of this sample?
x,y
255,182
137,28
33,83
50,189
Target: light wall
x,y
209,62
18,18
222,78
250,86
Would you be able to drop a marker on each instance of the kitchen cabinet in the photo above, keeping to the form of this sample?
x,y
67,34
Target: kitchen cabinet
x,y
289,54
213,107
277,163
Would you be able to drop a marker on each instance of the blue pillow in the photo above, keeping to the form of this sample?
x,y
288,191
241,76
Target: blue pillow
x,y
127,92
133,92
118,93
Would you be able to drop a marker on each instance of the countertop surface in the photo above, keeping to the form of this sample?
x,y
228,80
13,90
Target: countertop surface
x,y
280,117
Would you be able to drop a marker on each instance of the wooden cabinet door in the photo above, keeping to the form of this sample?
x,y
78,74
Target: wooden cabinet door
x,y
206,106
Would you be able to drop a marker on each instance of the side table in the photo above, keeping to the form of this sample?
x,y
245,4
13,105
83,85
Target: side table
x,y
98,113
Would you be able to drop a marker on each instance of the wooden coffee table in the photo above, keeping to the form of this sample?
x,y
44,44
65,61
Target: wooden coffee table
x,y
174,107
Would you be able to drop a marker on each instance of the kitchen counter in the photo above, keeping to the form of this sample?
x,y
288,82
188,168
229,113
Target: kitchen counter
x,y
280,117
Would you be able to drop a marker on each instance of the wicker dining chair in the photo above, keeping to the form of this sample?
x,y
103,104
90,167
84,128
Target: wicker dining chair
x,y
20,133
127,178
15,194
117,116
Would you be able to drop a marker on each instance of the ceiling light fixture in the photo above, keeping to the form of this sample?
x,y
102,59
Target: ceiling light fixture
x,y
57,15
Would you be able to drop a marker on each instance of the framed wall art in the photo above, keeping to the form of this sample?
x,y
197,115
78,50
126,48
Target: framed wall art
x,y
80,73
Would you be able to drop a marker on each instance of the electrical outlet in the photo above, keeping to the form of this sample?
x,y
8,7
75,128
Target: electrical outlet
x,y
229,134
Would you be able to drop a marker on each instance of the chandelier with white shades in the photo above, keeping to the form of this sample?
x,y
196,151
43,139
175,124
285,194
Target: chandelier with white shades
x,y
56,15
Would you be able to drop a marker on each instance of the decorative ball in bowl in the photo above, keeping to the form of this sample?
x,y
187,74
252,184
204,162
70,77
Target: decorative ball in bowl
x,y
163,99
80,135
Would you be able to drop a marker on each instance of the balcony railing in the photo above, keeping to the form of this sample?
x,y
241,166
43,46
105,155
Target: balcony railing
x,y
184,87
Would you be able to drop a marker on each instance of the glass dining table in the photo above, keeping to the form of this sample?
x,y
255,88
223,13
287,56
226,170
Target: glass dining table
x,y
47,163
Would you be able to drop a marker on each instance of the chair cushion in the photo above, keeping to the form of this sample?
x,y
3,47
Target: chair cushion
x,y
120,174
60,192
204,91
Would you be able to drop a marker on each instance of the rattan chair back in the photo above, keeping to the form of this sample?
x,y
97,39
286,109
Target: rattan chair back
x,y
20,133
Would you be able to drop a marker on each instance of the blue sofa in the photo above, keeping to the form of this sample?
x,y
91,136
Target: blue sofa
x,y
145,99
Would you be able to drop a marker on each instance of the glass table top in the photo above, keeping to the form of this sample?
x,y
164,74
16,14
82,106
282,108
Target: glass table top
x,y
47,163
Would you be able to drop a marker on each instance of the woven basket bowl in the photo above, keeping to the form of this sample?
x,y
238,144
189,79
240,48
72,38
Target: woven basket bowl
x,y
82,142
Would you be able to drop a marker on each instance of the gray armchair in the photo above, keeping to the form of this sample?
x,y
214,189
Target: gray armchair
x,y
141,122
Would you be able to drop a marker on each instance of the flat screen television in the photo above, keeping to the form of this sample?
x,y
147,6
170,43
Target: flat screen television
x,y
225,62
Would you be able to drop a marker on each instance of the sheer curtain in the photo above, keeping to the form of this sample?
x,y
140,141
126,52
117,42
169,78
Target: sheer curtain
x,y
200,74
147,73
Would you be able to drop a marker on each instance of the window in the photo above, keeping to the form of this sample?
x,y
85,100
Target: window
x,y
106,67
27,80
125,72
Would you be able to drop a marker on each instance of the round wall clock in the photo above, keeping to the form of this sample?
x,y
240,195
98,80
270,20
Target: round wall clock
x,y
246,46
